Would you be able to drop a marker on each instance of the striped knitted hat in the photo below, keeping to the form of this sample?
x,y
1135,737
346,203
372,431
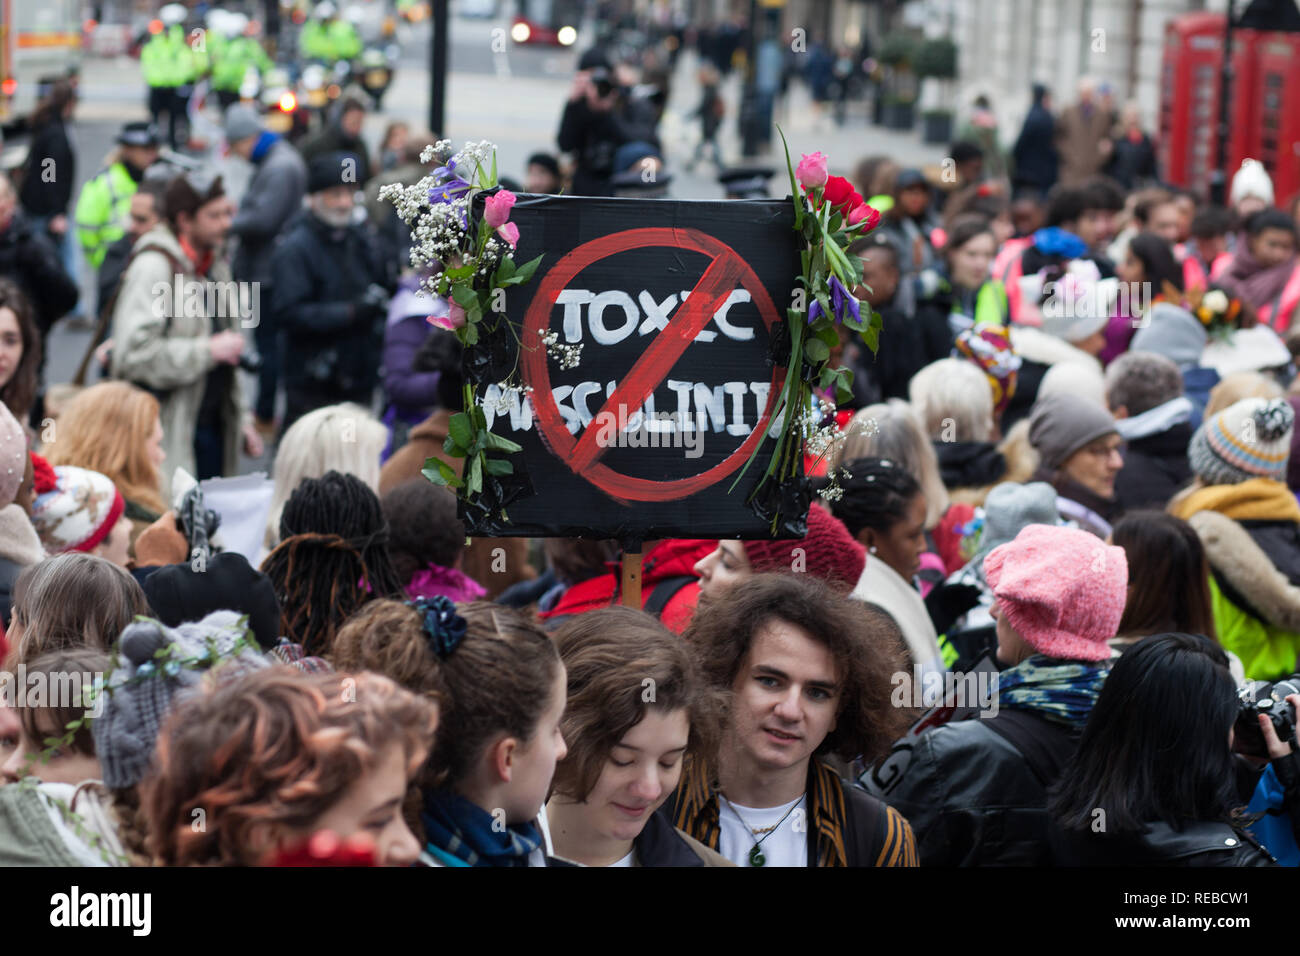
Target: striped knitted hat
x,y
1251,439
79,512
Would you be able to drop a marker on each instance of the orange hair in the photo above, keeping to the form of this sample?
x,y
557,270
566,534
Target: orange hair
x,y
106,429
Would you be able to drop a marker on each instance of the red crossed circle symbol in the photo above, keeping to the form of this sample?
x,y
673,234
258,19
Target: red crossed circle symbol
x,y
582,453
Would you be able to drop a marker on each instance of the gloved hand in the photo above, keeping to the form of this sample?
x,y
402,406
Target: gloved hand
x,y
946,603
371,304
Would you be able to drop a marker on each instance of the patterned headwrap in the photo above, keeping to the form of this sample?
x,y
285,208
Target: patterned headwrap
x,y
989,347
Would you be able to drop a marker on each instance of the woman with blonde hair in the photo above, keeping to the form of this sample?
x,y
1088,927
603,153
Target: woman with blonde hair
x,y
345,438
114,428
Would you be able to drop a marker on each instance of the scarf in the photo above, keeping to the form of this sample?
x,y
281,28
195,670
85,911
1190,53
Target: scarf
x,y
202,263
1255,283
1060,691
1258,499
433,580
454,826
695,810
1155,420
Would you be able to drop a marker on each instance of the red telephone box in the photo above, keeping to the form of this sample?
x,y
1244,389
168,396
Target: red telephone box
x,y
1274,126
1264,115
1189,98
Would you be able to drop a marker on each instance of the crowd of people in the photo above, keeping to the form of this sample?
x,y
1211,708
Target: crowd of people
x,y
1068,476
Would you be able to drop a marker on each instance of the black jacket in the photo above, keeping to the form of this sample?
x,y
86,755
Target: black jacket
x,y
1034,153
1155,469
320,272
48,194
112,268
1159,844
33,263
972,796
1132,164
907,344
595,136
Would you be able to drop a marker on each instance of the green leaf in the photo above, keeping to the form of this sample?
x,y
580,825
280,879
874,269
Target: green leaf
x,y
460,272
817,350
506,269
525,272
464,296
479,417
471,334
494,168
499,466
496,443
475,484
794,187
843,394
827,376
441,473
828,335
461,428
451,448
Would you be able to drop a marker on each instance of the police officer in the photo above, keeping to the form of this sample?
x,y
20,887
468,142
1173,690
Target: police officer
x,y
104,206
169,67
236,55
314,42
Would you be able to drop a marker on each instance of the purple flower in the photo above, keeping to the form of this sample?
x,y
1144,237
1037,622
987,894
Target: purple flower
x,y
843,301
450,186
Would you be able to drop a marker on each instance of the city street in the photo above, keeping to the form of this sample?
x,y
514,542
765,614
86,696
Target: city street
x,y
513,98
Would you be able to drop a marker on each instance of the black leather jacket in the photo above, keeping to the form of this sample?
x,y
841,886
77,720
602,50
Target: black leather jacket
x,y
1159,844
971,796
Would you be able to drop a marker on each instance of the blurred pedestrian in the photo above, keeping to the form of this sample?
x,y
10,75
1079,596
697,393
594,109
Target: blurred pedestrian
x,y
50,172
103,206
1034,156
1083,135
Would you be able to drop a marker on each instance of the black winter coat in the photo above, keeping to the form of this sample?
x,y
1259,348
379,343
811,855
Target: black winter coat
x,y
43,195
973,798
1034,154
30,260
1198,844
319,273
1155,469
1132,164
907,344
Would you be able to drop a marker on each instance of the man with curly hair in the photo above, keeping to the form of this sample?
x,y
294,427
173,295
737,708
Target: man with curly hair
x,y
808,676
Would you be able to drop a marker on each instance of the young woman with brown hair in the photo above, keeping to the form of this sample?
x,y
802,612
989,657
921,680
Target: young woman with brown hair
x,y
498,740
1168,587
808,674
637,708
20,351
277,756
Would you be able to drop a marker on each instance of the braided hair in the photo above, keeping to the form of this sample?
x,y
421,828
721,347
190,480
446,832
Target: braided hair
x,y
332,558
877,493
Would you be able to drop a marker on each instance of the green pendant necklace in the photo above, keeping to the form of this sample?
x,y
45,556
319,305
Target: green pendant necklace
x,y
756,857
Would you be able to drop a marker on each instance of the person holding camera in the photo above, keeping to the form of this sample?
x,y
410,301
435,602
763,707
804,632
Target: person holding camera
x,y
331,295
183,355
599,117
1154,782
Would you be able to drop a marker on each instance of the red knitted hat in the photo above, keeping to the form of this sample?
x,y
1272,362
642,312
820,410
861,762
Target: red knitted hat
x,y
827,551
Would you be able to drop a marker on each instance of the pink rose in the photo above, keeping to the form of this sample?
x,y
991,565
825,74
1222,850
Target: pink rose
x,y
497,208
453,320
811,171
866,214
509,232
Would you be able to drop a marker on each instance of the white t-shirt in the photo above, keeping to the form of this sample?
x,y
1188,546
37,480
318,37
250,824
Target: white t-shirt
x,y
627,860
787,845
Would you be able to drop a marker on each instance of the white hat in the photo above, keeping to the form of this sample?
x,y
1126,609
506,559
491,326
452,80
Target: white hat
x,y
1251,180
235,24
324,10
173,14
354,14
1248,350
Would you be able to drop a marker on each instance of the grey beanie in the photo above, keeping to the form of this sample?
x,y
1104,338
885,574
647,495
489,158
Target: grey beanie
x,y
241,123
1173,332
1062,423
1009,508
144,687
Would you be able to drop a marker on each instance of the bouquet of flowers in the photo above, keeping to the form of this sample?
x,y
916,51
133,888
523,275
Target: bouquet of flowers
x,y
469,262
1219,312
828,217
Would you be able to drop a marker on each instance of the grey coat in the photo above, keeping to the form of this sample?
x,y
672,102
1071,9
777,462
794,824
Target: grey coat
x,y
273,197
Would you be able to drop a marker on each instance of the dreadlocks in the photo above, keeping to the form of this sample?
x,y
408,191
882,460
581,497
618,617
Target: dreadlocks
x,y
332,558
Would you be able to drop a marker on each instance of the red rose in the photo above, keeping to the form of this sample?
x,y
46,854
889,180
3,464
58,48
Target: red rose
x,y
839,192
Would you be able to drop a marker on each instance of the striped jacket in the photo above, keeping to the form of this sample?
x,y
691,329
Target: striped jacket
x,y
848,826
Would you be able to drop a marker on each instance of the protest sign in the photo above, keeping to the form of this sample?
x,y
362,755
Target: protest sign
x,y
643,348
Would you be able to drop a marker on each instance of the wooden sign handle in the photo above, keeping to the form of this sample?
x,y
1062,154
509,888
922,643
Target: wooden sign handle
x,y
631,575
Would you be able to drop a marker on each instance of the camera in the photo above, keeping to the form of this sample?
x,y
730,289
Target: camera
x,y
602,81
1268,698
250,362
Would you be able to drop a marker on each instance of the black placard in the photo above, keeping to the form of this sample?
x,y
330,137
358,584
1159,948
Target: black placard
x,y
612,281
